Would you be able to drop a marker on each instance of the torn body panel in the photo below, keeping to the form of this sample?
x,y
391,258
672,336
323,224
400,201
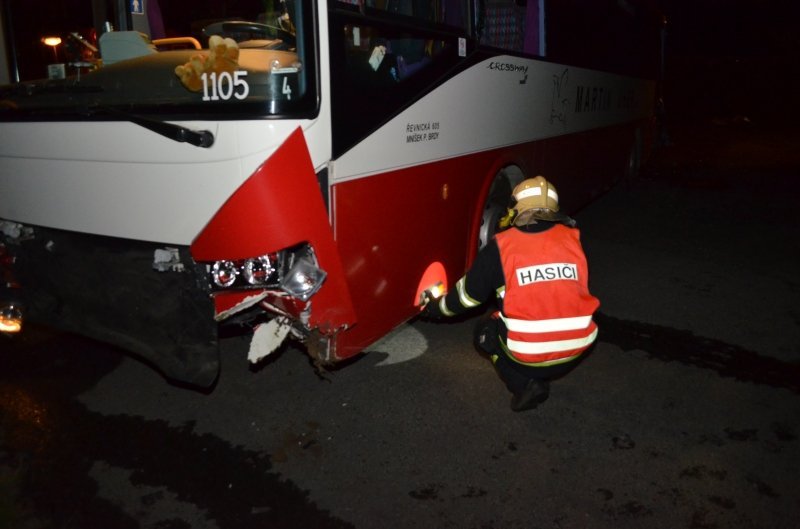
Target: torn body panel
x,y
236,304
280,206
267,337
289,316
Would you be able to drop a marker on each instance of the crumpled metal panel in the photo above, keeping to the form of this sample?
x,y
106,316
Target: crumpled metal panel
x,y
280,206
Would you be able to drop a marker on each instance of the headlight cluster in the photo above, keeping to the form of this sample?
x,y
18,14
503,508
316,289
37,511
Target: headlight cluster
x,y
253,272
294,270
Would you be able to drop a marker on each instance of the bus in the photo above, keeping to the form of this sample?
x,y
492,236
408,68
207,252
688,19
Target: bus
x,y
303,171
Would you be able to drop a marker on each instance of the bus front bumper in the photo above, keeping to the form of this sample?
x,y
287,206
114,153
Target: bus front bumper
x,y
119,292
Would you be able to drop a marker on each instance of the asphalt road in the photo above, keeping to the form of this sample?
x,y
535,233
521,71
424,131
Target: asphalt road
x,y
684,416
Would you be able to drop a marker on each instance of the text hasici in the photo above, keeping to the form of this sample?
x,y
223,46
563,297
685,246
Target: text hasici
x,y
547,272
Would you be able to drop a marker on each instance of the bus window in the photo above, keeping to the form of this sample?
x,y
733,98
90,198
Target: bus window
x,y
375,60
513,25
238,59
503,25
452,13
382,59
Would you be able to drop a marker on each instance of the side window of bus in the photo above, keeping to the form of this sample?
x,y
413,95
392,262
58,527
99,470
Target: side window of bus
x,y
504,24
381,59
447,12
389,56
378,59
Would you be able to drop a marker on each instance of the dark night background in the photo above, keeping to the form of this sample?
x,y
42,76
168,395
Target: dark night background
x,y
685,417
725,59
729,59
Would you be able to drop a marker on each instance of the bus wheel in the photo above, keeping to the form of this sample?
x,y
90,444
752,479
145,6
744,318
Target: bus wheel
x,y
497,203
634,160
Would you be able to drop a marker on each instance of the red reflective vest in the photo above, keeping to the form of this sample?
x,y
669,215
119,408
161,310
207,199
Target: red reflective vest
x,y
547,307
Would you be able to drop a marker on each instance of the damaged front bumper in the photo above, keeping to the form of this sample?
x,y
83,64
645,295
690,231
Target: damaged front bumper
x,y
278,286
157,302
139,296
166,304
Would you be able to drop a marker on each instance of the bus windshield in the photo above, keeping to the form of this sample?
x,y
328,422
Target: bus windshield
x,y
228,59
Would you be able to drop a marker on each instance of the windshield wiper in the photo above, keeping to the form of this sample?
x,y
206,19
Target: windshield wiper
x,y
198,138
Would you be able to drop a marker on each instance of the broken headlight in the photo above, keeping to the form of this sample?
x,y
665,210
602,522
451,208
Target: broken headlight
x,y
258,270
224,273
304,278
245,273
294,270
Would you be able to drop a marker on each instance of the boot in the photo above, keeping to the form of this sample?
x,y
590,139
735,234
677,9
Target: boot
x,y
484,335
535,392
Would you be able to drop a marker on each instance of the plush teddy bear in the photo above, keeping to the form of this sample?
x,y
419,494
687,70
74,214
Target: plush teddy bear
x,y
223,56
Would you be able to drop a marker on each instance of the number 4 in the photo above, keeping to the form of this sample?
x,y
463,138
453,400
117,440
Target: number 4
x,y
287,89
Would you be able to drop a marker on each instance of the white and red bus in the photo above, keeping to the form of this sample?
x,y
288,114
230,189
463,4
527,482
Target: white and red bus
x,y
304,169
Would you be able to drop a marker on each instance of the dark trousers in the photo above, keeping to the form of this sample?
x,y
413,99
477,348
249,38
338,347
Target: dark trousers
x,y
488,335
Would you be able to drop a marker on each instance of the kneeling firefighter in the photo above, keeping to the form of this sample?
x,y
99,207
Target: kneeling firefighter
x,y
538,272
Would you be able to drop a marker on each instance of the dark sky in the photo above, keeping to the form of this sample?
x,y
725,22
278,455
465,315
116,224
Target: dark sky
x,y
731,58
732,27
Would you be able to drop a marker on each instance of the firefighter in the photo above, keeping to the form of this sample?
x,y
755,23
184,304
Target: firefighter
x,y
538,274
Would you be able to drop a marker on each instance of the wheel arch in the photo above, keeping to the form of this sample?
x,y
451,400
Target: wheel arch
x,y
492,206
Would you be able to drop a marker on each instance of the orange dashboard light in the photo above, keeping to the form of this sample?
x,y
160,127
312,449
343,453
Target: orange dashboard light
x,y
51,41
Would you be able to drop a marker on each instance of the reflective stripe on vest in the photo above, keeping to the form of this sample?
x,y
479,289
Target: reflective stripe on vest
x,y
556,324
547,348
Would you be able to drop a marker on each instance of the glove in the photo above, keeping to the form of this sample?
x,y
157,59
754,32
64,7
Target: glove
x,y
430,311
507,219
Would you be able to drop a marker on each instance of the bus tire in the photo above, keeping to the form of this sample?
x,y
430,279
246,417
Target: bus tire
x,y
497,202
634,164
